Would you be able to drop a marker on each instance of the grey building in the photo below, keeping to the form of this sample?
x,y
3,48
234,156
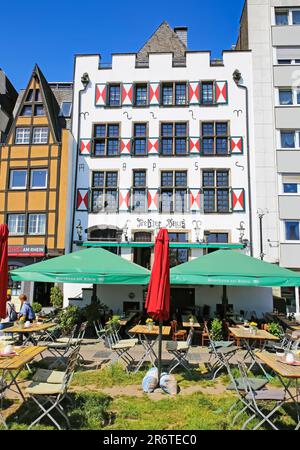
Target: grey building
x,y
8,97
271,29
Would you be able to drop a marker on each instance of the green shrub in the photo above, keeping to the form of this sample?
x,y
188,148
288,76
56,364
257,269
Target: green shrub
x,y
37,307
68,318
275,329
56,297
92,311
216,330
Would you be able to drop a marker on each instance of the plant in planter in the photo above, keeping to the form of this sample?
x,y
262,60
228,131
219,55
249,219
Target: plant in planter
x,y
37,307
275,329
56,297
253,327
21,322
68,318
216,330
150,324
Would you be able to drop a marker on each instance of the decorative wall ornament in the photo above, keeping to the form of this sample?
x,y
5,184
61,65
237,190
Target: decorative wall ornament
x,y
192,114
238,112
125,113
84,114
153,115
240,166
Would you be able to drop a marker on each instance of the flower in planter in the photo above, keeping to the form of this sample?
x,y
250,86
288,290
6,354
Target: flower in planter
x,y
253,324
149,321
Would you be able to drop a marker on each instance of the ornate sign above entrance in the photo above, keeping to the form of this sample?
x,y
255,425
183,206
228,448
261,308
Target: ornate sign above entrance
x,y
170,224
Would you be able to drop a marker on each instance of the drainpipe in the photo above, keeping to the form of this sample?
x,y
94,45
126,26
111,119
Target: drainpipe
x,y
237,77
85,81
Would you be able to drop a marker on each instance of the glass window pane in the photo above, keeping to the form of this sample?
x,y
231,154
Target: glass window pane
x,y
39,110
141,95
221,129
111,200
40,135
290,188
167,129
208,146
180,200
139,178
140,130
113,130
221,146
99,148
112,147
36,224
26,110
209,200
38,96
140,147
180,94
223,200
167,146
112,179
298,97
167,179
18,179
207,93
22,136
282,18
287,139
208,178
181,179
208,129
168,94
180,146
180,129
29,97
16,223
98,179
100,131
114,95
65,109
167,201
222,178
292,231
139,200
97,200
296,17
38,178
286,97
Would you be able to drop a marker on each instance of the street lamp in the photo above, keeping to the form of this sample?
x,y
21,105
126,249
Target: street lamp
x,y
261,214
79,230
197,229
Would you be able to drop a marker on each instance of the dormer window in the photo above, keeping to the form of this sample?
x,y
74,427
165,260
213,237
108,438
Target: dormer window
x,y
26,110
39,110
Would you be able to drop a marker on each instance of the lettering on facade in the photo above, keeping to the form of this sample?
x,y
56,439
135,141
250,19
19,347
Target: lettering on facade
x,y
170,224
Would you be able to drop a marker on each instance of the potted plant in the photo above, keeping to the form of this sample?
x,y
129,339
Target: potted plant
x,y
217,330
21,323
150,324
275,329
253,328
191,320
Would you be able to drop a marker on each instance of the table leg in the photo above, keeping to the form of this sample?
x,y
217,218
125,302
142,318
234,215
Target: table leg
x,y
14,381
250,352
148,347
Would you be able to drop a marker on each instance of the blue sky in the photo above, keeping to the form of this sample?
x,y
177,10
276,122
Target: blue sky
x,y
51,32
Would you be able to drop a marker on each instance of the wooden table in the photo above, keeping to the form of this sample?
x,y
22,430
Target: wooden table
x,y
283,320
243,336
145,336
34,328
126,320
283,371
25,355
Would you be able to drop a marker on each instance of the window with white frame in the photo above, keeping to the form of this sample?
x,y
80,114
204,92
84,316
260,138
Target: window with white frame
x,y
38,178
40,135
288,55
288,97
22,135
36,224
287,16
291,184
289,139
16,223
292,230
18,179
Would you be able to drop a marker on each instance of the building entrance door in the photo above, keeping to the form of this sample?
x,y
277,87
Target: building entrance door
x,y
181,299
41,293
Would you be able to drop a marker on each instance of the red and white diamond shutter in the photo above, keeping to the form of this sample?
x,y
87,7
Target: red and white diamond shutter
x,y
125,146
101,91
127,94
194,146
85,147
221,92
238,200
154,93
153,146
236,145
82,200
153,199
195,200
124,199
194,93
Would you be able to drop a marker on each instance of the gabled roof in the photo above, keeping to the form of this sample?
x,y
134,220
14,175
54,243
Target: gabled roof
x,y
49,100
163,40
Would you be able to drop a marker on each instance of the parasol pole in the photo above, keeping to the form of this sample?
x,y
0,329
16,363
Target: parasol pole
x,y
159,348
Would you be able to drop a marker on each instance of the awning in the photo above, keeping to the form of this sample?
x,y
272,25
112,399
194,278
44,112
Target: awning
x,y
151,244
93,265
230,268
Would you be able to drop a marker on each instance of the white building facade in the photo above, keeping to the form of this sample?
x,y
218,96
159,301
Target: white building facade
x,y
164,140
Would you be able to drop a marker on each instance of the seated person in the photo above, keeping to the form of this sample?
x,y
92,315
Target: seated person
x,y
27,312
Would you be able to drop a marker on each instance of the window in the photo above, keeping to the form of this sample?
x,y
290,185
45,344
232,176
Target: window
x,y
296,17
292,231
291,184
207,93
216,238
139,203
105,192
26,110
114,95
140,139
216,191
38,178
29,97
174,139
40,135
173,192
285,96
174,94
39,110
106,139
281,17
22,136
141,95
288,55
215,138
37,97
36,224
18,179
14,286
16,223
178,256
65,109
288,139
